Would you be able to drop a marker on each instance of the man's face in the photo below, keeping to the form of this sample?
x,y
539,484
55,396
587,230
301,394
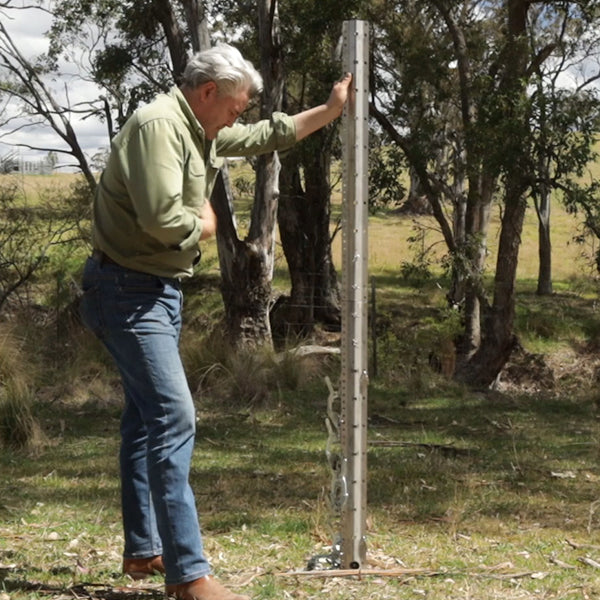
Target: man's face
x,y
215,112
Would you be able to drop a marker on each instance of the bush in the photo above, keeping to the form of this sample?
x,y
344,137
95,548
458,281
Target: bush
x,y
246,378
19,429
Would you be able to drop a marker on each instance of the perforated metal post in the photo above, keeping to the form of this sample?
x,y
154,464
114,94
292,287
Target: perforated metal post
x,y
354,377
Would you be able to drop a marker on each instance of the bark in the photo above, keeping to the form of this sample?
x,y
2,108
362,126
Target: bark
x,y
173,34
195,15
498,339
247,266
304,220
294,316
474,248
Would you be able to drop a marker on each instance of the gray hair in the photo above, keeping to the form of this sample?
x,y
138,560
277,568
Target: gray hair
x,y
224,65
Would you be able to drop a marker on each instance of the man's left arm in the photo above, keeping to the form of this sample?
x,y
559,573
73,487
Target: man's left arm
x,y
281,131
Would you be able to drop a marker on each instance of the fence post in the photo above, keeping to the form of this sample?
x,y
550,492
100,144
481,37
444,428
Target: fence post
x,y
354,376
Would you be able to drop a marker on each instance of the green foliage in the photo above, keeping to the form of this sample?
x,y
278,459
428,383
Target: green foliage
x,y
411,344
386,166
419,270
130,68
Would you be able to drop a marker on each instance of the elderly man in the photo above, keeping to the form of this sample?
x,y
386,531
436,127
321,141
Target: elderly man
x,y
150,213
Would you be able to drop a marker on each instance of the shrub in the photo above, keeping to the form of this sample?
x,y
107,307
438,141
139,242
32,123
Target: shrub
x,y
19,429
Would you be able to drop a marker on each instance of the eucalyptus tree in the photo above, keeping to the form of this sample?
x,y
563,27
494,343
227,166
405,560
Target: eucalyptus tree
x,y
131,50
311,60
30,100
565,112
453,79
151,44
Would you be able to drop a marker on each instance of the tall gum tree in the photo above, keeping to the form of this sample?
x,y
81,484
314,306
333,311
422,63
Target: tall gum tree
x,y
475,66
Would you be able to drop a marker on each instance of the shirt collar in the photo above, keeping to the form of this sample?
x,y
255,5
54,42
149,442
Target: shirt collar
x,y
210,151
197,128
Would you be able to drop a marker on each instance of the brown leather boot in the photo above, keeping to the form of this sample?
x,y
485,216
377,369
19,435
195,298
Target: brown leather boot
x,y
205,588
139,568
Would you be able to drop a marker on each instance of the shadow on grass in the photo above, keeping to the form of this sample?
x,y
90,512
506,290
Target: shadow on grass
x,y
425,455
83,590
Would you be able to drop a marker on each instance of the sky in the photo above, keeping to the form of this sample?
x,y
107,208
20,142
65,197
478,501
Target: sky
x,y
28,28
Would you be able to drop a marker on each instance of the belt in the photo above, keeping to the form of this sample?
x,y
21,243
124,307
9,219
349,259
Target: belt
x,y
102,257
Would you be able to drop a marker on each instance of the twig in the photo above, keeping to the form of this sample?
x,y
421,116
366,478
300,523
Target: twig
x,y
442,447
561,563
361,572
579,546
590,562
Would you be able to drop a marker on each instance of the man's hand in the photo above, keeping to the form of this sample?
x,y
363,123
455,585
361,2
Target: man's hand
x,y
208,219
339,94
312,119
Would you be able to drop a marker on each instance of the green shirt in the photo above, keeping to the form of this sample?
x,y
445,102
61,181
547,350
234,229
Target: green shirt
x,y
161,170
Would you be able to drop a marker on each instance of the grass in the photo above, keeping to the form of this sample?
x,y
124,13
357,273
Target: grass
x,y
470,495
491,495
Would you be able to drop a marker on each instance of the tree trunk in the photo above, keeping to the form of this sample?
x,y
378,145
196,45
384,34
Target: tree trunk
x,y
474,244
245,276
173,35
544,286
247,266
497,336
195,16
294,316
304,219
498,339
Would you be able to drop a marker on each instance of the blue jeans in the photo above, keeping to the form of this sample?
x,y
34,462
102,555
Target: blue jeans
x,y
138,318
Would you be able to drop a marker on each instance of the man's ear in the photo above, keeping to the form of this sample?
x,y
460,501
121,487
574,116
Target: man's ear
x,y
208,90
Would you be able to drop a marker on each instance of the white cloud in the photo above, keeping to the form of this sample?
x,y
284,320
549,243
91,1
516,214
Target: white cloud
x,y
28,29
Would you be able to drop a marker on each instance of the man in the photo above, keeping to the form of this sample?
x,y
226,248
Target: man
x,y
150,212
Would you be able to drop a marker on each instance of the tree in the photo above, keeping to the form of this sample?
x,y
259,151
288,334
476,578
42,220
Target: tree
x,y
452,80
564,121
305,207
247,267
24,81
304,202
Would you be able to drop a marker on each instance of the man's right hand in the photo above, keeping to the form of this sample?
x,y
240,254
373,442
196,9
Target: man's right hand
x,y
209,220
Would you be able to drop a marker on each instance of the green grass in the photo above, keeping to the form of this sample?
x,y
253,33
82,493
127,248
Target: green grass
x,y
470,495
482,491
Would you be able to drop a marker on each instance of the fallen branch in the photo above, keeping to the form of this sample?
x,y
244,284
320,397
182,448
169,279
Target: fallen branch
x,y
579,546
362,573
442,447
590,562
309,350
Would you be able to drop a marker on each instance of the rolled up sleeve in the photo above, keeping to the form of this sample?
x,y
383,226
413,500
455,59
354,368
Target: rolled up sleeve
x,y
276,133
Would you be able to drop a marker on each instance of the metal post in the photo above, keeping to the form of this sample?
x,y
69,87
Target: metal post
x,y
354,377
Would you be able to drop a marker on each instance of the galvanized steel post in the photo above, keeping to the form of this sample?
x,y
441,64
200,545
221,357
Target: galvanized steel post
x,y
354,376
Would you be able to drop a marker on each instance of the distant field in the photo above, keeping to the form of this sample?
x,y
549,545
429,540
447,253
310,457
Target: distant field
x,y
389,246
